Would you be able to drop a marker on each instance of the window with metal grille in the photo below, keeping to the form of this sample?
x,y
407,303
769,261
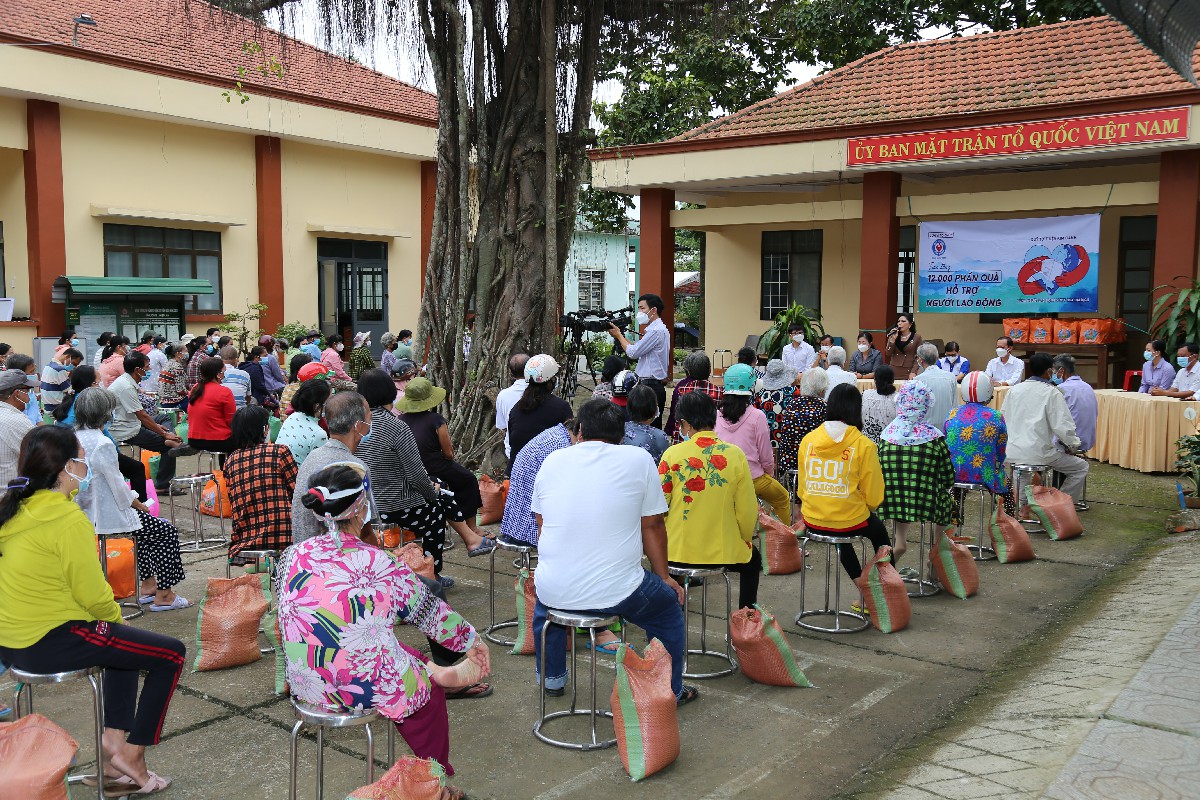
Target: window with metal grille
x,y
138,251
1135,269
791,271
906,268
591,289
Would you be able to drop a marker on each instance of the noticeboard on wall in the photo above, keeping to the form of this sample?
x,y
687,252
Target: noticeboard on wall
x,y
128,318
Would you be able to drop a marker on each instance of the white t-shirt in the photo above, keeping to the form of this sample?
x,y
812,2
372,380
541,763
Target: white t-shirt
x,y
1187,380
592,498
505,400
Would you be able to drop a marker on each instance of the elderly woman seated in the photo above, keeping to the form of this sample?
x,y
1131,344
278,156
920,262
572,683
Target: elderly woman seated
x,y
262,479
340,596
698,369
712,509
977,438
799,416
113,507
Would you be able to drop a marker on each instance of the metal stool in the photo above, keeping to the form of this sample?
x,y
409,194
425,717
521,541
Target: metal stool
x,y
95,676
1082,505
523,561
982,552
572,620
926,584
319,718
259,558
1022,476
214,466
835,545
689,574
195,486
136,605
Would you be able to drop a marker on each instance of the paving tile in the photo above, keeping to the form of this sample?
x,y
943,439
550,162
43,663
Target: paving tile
x,y
1157,709
1145,750
968,788
1093,779
985,765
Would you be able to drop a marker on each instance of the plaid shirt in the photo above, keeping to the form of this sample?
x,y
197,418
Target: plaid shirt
x,y
360,362
261,481
683,387
917,480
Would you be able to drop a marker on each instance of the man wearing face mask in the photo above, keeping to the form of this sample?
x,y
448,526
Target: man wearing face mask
x,y
797,353
1187,379
652,351
16,392
1005,369
1157,374
1041,429
1081,399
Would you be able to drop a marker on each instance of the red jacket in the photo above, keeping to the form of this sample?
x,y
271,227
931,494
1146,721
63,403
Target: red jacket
x,y
208,417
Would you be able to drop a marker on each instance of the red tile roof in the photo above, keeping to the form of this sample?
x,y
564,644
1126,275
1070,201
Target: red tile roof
x,y
1087,61
191,40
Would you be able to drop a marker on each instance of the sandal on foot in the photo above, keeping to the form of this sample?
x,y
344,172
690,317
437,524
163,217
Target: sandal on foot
x,y
859,608
690,693
473,692
484,547
607,647
111,782
153,785
175,605
449,545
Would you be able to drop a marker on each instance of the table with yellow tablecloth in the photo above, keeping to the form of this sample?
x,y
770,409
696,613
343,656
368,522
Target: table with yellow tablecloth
x,y
1138,431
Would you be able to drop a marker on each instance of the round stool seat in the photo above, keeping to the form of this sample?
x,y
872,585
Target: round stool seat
x,y
857,621
580,619
37,678
689,574
188,481
592,623
312,715
320,718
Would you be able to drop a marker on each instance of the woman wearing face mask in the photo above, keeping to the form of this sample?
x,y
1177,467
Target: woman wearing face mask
x,y
59,612
821,357
954,363
114,508
866,359
112,365
67,340
172,381
331,357
900,353
1157,374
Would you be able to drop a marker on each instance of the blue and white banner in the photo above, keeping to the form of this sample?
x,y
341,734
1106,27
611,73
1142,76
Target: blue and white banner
x,y
1010,266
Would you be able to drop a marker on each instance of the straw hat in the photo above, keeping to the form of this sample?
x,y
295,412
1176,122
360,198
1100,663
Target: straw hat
x,y
420,395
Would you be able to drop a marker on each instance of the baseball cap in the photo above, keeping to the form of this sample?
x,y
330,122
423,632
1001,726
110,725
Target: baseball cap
x,y
15,379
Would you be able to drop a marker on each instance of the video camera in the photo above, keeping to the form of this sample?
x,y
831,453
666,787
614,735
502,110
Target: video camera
x,y
596,320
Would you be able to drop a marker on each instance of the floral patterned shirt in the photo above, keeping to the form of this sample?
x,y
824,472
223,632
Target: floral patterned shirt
x,y
711,507
772,402
338,602
977,437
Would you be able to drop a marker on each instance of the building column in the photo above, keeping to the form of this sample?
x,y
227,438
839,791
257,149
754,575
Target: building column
x,y
880,251
1178,217
428,198
268,180
657,275
44,215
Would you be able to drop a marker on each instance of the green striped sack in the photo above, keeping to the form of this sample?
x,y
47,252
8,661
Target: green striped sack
x,y
1009,539
762,653
955,567
526,600
885,593
1055,510
644,710
270,628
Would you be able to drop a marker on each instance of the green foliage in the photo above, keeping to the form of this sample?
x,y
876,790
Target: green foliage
x,y
774,338
1174,317
267,66
1187,460
679,354
597,349
287,331
238,325
689,311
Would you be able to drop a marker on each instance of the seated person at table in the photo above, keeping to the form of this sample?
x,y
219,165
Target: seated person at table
x,y
1157,374
978,438
797,353
835,372
952,362
59,614
821,357
1005,369
366,666
866,358
1187,379
714,526
845,505
1080,397
1040,428
591,542
518,525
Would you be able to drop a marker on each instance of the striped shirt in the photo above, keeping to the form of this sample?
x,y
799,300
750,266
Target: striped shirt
x,y
398,478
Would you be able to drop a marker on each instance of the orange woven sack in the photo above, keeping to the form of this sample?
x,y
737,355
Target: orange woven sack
x,y
35,755
1041,331
782,552
1066,331
1017,329
410,778
1090,331
1055,510
526,599
214,500
417,560
122,567
494,493
644,710
1009,538
227,626
885,593
955,567
762,652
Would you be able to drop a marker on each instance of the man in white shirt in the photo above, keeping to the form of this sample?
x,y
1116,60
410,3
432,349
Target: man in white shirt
x,y
797,353
132,425
942,385
599,506
836,372
1036,414
652,351
158,362
1005,369
1187,379
507,398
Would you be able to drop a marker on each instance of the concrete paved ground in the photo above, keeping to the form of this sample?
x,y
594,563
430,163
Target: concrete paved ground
x,y
878,698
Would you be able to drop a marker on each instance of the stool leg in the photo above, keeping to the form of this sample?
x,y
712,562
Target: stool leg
x,y
295,760
592,640
704,616
370,754
492,589
16,705
982,524
803,572
391,744
574,676
728,619
837,590
687,585
97,682
542,674
29,699
320,763
836,549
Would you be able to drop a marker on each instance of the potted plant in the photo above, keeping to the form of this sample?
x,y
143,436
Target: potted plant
x,y
1187,464
774,338
1174,317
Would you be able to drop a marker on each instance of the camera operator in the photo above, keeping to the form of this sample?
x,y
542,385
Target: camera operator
x,y
652,351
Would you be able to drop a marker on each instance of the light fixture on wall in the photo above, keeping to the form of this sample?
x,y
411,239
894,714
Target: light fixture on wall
x,y
82,19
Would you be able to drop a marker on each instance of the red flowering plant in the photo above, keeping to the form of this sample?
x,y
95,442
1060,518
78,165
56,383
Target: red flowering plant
x,y
695,474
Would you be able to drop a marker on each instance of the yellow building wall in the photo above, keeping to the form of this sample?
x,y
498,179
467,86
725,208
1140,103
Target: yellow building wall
x,y
343,188
13,133
12,215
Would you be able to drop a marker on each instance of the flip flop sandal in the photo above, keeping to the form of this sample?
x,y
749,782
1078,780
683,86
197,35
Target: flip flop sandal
x,y
179,603
111,782
475,691
690,693
154,784
608,647
146,599
484,547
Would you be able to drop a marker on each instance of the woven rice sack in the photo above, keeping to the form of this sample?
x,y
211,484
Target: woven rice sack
x,y
1017,329
214,500
35,755
1055,510
523,644
417,560
1009,538
410,778
782,554
762,652
885,593
227,626
494,493
955,567
122,567
644,710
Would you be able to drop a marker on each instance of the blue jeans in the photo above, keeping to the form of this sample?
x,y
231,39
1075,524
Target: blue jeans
x,y
653,606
